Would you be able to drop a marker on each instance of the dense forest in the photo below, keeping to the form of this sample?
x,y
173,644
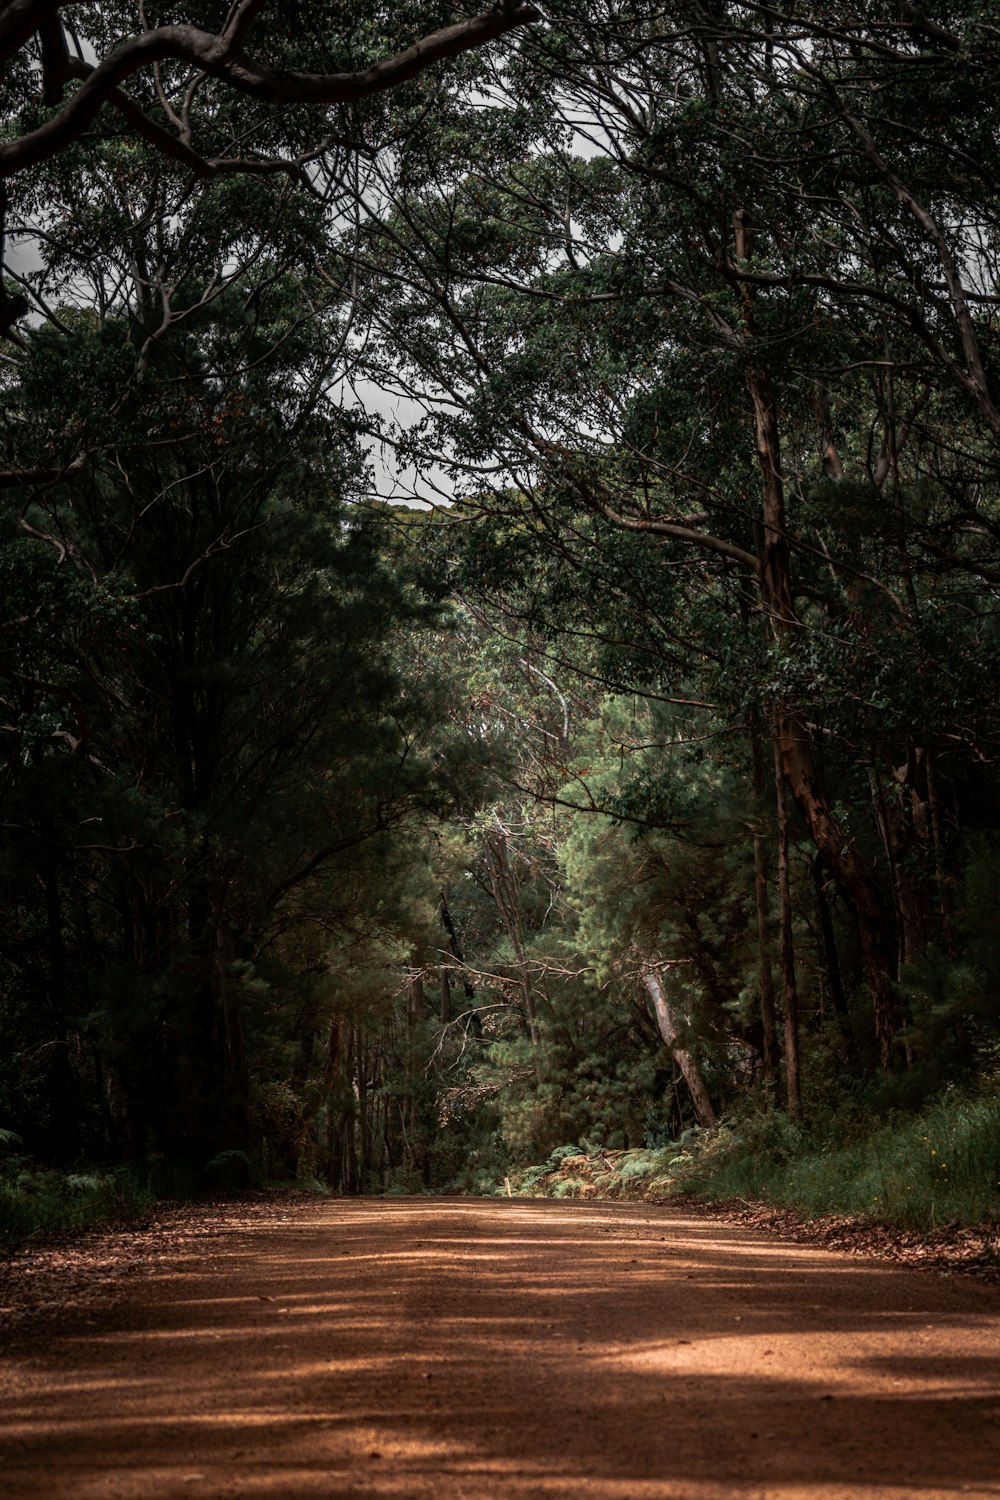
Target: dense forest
x,y
500,548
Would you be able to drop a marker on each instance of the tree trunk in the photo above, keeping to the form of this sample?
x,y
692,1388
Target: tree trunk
x,y
61,1143
364,1122
765,966
849,869
417,1005
700,1098
790,992
236,1087
318,1097
832,962
942,880
852,874
453,948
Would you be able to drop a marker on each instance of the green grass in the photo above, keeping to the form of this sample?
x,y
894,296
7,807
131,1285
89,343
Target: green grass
x,y
916,1171
920,1171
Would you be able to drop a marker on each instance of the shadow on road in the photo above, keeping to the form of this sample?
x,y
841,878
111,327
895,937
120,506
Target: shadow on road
x,y
479,1349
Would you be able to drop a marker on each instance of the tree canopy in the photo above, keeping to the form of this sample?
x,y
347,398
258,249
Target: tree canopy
x,y
248,49
648,778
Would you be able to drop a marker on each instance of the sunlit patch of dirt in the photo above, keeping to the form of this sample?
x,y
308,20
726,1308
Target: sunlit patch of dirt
x,y
493,1350
69,1277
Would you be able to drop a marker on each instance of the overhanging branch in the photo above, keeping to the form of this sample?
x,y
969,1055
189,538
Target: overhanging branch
x,y
221,56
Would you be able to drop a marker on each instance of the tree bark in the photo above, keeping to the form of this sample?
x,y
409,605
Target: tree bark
x,y
236,1082
765,966
789,986
61,1143
416,1002
688,1064
849,869
222,56
832,962
942,879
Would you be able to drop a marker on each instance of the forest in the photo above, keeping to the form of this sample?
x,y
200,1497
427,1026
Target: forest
x,y
500,547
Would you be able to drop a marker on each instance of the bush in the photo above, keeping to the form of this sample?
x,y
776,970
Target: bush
x,y
229,1172
939,1166
917,1171
36,1202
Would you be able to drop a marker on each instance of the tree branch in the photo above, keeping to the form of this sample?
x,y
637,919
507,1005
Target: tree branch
x,y
11,479
685,534
220,56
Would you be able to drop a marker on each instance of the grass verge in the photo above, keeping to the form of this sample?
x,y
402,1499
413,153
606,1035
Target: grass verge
x,y
921,1171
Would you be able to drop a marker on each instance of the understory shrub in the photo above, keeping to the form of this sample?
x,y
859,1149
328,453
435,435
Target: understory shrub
x,y
939,1166
36,1202
919,1171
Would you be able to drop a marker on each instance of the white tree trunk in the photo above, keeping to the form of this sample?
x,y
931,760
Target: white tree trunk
x,y
704,1113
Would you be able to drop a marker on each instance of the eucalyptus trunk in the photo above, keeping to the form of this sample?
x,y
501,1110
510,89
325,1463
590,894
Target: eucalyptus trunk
x,y
765,956
685,1060
789,984
792,739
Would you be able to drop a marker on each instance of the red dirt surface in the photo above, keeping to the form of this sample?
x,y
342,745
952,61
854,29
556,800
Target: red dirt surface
x,y
488,1348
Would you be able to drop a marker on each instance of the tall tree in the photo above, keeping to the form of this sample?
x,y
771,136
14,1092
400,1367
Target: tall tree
x,y
703,334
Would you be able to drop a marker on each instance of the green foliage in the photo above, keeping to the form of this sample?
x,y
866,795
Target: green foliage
x,y
312,873
919,1171
229,1172
220,711
468,1154
530,1177
939,1166
571,1172
37,1203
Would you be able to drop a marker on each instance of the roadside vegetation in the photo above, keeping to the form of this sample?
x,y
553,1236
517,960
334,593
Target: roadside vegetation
x,y
38,1203
937,1167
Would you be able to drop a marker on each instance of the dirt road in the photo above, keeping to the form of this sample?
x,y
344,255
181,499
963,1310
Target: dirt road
x,y
482,1350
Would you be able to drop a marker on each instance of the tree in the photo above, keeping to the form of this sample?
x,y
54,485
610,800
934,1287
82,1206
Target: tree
x,y
209,736
174,84
46,53
203,712
765,339
698,311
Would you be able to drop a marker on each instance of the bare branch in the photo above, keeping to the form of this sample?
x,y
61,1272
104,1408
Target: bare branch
x,y
685,534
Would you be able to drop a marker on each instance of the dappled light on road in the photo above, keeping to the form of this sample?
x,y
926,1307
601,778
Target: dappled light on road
x,y
485,1348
